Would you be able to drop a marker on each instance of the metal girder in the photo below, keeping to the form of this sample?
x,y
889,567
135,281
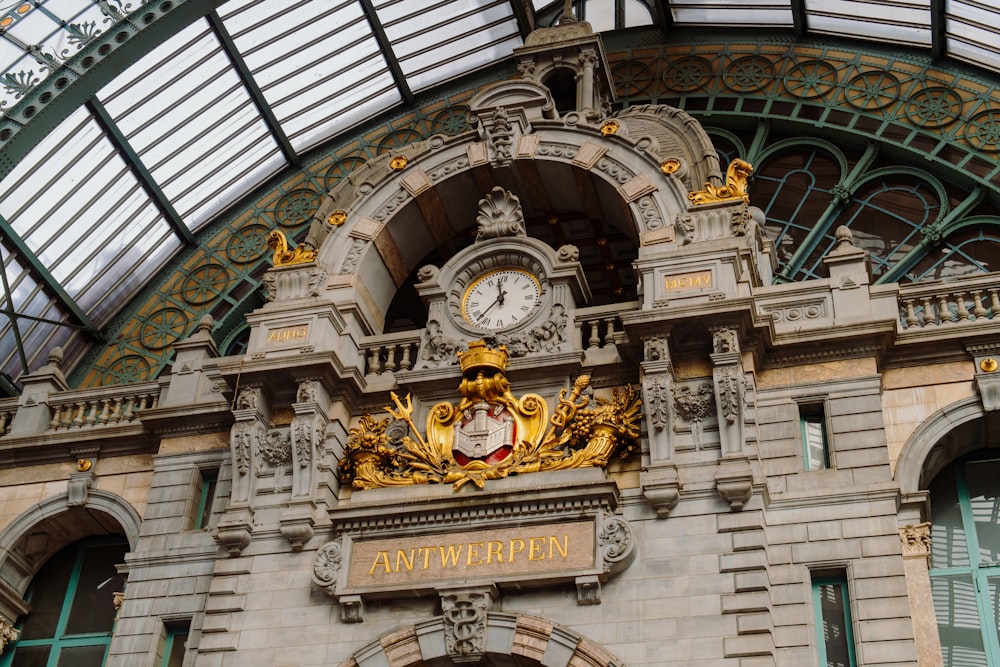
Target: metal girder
x,y
799,22
246,76
663,17
524,15
139,170
28,258
939,36
386,46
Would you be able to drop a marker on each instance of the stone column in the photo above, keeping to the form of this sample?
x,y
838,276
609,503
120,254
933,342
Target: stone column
x,y
660,483
916,543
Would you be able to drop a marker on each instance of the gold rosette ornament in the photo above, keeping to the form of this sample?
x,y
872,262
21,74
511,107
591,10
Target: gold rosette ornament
x,y
490,433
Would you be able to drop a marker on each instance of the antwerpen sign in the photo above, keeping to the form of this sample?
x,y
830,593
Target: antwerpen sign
x,y
531,553
487,554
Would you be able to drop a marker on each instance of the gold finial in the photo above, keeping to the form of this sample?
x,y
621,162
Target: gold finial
x,y
736,187
988,365
670,165
398,163
609,127
337,218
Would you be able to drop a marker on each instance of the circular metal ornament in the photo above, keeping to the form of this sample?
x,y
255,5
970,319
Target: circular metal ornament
x,y
988,365
934,107
748,74
687,74
873,90
296,207
810,79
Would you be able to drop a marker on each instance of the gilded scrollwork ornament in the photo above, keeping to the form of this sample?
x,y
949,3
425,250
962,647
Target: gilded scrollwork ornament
x,y
736,187
491,434
283,255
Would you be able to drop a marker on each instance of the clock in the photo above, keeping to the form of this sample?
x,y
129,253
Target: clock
x,y
501,298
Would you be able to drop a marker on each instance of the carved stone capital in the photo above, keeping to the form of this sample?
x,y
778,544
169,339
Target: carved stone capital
x,y
916,541
8,633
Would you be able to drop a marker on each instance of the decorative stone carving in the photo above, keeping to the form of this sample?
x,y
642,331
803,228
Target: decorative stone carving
x,y
568,253
276,447
734,482
661,488
684,223
916,541
270,283
616,543
437,347
317,280
464,615
725,339
8,633
249,398
728,385
656,349
353,256
243,443
694,407
657,403
499,215
307,392
326,566
546,337
500,137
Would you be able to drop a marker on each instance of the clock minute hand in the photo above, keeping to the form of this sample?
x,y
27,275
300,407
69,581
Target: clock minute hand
x,y
497,300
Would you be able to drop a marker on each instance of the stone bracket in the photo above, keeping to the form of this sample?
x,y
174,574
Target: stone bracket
x,y
734,482
234,530
588,590
661,487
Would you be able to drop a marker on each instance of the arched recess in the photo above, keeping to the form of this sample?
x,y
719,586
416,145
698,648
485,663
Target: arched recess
x,y
949,433
396,218
510,639
39,532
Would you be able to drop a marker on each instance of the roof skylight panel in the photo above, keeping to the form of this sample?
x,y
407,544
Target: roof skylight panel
x,y
448,39
890,20
719,12
972,33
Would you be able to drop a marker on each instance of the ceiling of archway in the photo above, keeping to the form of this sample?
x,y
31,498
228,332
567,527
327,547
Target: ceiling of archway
x,y
146,147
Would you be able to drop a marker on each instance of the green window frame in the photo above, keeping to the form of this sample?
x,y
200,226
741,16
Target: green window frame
x,y
175,645
965,559
209,482
834,632
52,637
815,443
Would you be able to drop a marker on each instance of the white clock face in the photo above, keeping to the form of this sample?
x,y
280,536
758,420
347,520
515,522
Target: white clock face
x,y
500,299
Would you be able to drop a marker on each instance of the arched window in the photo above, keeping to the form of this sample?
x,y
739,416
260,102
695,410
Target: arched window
x,y
965,559
72,607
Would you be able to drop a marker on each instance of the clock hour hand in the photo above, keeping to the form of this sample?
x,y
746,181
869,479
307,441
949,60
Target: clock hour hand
x,y
497,300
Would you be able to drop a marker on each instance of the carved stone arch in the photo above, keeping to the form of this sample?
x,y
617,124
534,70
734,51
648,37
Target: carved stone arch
x,y
526,640
949,433
41,531
394,219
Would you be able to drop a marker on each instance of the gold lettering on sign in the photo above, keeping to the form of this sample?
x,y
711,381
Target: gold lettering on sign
x,y
287,335
482,553
679,282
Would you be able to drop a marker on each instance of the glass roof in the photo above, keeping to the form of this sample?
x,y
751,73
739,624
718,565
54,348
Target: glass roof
x,y
210,107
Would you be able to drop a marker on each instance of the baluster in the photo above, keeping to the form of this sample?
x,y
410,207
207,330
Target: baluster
x,y
105,410
155,401
56,422
78,419
911,317
67,416
943,309
405,363
373,361
994,303
142,403
129,407
977,299
962,312
390,358
4,416
609,331
595,334
91,413
928,311
116,411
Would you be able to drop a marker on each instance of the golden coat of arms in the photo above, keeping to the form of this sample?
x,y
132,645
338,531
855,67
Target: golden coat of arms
x,y
490,433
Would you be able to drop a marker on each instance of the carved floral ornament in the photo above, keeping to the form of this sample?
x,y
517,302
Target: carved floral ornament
x,y
490,433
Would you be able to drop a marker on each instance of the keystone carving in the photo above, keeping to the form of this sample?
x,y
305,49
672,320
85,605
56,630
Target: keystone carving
x,y
464,615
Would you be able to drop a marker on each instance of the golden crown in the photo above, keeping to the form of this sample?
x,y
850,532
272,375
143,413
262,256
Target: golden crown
x,y
481,355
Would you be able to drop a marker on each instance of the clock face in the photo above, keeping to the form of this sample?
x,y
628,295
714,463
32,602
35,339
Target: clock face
x,y
500,299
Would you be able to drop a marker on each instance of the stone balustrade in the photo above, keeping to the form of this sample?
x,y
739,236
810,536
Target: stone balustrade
x,y
601,326
392,352
108,406
942,304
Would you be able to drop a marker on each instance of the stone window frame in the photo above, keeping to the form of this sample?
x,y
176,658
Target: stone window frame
x,y
818,405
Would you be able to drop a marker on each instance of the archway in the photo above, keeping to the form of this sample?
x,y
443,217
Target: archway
x,y
506,640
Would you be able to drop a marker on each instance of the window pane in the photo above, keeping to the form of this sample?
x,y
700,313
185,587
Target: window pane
x,y
175,649
958,620
47,593
82,656
836,633
93,607
948,547
30,656
980,477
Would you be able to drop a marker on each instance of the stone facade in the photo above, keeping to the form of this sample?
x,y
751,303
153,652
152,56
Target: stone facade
x,y
700,548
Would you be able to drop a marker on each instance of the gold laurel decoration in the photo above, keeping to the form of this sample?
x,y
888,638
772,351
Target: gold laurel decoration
x,y
283,256
337,218
988,365
735,189
398,163
577,435
609,127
